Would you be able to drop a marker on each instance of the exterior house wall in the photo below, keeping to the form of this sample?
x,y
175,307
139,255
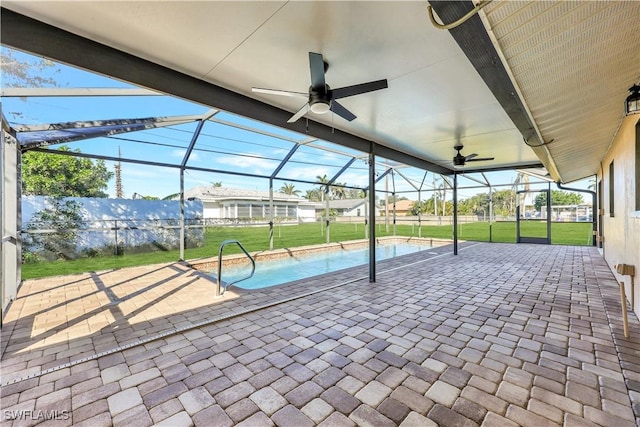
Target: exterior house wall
x,y
210,209
351,211
355,211
234,209
306,213
622,229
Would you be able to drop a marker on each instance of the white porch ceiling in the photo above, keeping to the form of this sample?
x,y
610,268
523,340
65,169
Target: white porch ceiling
x,y
574,63
555,51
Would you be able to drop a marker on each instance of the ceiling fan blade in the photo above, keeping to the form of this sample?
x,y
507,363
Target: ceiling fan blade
x,y
480,159
316,64
470,156
343,92
341,111
280,92
301,112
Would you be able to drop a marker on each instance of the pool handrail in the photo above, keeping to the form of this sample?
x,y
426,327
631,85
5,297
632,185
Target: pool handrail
x,y
226,285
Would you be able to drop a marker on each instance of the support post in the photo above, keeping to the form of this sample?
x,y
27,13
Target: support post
x,y
386,204
366,214
182,214
419,214
490,214
326,210
372,216
183,165
272,217
549,215
455,213
393,194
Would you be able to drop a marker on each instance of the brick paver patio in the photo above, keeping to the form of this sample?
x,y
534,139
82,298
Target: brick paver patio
x,y
500,335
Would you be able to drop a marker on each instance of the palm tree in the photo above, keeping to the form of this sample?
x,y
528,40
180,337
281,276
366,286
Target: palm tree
x,y
289,189
338,191
313,195
522,179
322,180
171,196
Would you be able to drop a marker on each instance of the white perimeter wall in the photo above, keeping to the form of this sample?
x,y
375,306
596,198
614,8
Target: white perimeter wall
x,y
98,213
97,209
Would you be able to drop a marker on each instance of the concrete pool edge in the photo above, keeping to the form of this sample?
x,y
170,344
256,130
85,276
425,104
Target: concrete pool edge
x,y
209,264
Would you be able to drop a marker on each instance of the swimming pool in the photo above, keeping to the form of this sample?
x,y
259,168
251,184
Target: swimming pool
x,y
277,271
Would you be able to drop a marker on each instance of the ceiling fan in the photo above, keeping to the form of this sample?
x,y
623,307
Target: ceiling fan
x,y
321,98
460,160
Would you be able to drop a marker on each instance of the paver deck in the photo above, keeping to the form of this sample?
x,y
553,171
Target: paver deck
x,y
500,335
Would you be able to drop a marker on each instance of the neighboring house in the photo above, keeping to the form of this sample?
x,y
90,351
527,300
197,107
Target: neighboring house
x,y
403,207
344,207
240,204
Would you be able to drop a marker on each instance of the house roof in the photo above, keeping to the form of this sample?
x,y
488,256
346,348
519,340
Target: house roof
x,y
402,205
214,194
346,203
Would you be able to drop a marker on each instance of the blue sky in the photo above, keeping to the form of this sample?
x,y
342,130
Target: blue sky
x,y
220,146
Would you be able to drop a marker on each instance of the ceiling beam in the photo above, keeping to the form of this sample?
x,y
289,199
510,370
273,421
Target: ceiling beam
x,y
30,35
476,44
501,168
31,92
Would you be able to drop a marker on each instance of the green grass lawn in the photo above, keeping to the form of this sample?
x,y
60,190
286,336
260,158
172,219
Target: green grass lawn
x,y
289,236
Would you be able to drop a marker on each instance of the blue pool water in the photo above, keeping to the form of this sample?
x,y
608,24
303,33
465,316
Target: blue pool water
x,y
277,271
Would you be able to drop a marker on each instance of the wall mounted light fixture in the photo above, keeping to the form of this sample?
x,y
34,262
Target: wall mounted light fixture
x,y
632,104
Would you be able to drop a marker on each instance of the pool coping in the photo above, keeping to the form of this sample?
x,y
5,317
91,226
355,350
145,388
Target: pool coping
x,y
211,263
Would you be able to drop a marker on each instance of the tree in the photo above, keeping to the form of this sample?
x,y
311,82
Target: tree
x,y
474,205
313,195
63,176
355,193
22,70
64,217
289,189
118,170
322,180
522,179
338,191
417,208
558,198
504,202
25,72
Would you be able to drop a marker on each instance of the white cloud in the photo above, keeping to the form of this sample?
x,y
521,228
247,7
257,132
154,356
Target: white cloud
x,y
249,164
308,173
179,154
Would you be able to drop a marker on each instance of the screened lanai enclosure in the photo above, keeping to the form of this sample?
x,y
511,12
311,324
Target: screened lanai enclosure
x,y
395,140
320,213
201,175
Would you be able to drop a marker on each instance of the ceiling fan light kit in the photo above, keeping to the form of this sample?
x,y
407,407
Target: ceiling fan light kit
x,y
460,160
321,98
320,107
